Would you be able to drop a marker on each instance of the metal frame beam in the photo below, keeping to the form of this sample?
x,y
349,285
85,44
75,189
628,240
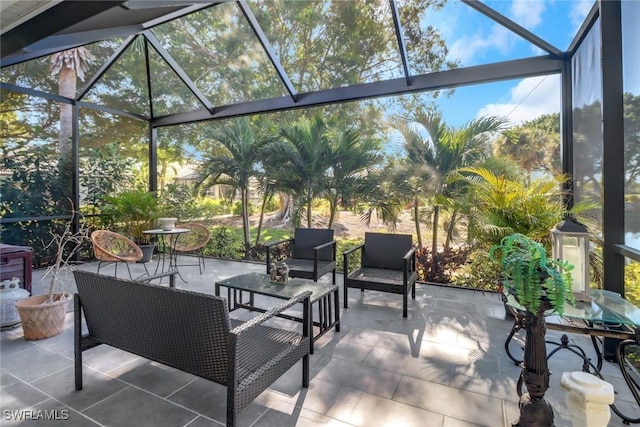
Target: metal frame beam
x,y
257,30
516,28
55,19
113,58
400,37
147,68
528,67
613,164
584,29
155,43
566,117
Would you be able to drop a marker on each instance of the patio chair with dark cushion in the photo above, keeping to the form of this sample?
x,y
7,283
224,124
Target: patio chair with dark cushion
x,y
312,253
112,248
388,265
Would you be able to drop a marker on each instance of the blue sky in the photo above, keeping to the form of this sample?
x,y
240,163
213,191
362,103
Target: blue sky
x,y
474,39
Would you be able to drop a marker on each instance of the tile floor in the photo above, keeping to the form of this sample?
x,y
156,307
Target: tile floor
x,y
443,366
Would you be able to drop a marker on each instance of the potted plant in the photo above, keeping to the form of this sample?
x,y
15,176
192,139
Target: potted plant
x,y
42,316
133,212
540,285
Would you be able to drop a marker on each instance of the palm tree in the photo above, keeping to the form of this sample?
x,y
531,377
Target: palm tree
x,y
352,159
69,65
445,149
236,166
299,161
504,205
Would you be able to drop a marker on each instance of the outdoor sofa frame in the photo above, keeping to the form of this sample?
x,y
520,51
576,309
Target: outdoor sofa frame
x,y
191,332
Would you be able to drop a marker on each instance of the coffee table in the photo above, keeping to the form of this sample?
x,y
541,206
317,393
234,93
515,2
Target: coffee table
x,y
326,317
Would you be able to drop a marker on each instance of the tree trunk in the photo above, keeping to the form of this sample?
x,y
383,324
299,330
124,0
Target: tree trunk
x,y
265,199
66,88
309,217
333,205
452,224
535,411
417,220
436,219
245,221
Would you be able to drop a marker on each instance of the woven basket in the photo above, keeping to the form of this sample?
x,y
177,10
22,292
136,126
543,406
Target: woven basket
x,y
40,320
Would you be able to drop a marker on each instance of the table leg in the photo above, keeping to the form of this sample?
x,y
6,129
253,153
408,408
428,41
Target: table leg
x,y
336,308
518,323
173,256
632,383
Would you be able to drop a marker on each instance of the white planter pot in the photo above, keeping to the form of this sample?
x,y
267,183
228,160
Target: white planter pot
x,y
167,224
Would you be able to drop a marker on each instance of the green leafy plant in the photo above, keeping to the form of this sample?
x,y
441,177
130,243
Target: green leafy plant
x,y
133,211
531,275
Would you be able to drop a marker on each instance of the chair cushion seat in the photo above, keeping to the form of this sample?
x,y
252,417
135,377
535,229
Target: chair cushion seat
x,y
306,265
379,275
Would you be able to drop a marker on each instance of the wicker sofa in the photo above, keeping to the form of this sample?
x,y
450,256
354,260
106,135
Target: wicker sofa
x,y
191,332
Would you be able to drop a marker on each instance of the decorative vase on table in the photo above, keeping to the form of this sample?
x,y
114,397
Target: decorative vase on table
x,y
167,224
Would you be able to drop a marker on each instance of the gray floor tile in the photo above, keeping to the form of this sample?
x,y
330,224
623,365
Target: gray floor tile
x,y
154,377
370,380
450,401
16,395
443,365
34,362
53,413
375,411
96,387
210,399
136,408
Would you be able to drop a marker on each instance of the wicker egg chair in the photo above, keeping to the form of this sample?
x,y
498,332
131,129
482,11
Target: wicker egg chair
x,y
113,248
192,242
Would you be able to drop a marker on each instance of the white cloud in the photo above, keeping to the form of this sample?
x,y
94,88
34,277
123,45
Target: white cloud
x,y
468,47
578,12
528,13
530,98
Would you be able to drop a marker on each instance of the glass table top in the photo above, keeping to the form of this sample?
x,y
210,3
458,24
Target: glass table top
x,y
604,307
261,284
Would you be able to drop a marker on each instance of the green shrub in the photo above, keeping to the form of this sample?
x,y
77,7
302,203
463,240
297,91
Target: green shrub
x,y
225,243
442,267
236,208
212,207
354,258
481,273
632,283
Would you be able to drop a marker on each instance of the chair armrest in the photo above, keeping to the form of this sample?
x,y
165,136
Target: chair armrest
x,y
269,245
345,258
256,321
324,245
348,251
409,263
171,274
316,254
410,254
